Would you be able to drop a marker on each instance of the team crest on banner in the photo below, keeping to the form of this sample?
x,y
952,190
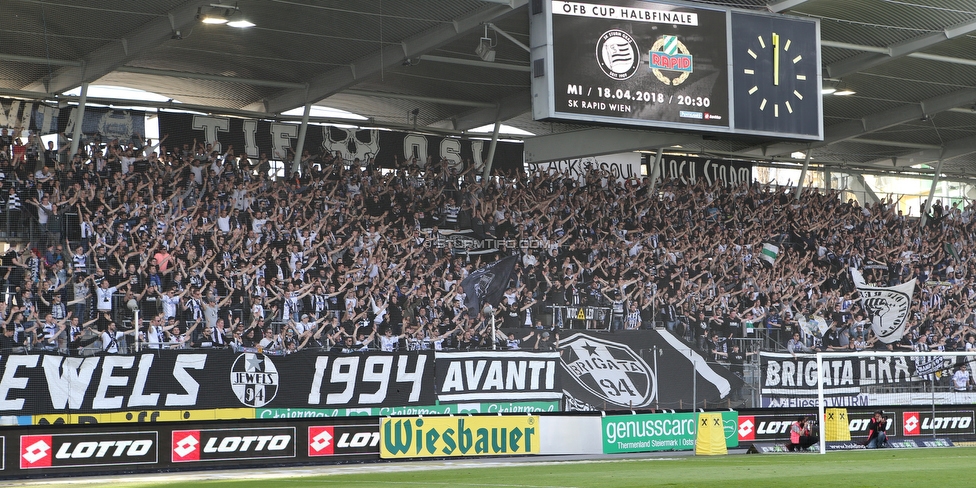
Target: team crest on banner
x,y
611,371
254,379
886,306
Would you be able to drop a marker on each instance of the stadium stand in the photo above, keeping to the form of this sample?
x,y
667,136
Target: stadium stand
x,y
338,255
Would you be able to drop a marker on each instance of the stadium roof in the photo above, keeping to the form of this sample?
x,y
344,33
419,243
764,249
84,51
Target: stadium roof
x,y
910,62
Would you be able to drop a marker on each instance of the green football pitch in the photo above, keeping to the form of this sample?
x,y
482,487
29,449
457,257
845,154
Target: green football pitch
x,y
889,468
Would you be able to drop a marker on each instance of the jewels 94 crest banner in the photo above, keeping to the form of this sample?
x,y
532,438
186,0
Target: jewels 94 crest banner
x,y
167,380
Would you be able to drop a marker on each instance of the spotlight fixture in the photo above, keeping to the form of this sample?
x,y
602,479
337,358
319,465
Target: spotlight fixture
x,y
240,23
485,49
214,18
836,87
223,14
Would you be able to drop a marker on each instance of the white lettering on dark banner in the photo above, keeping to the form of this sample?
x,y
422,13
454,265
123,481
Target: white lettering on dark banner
x,y
783,371
88,449
497,376
377,374
230,444
359,440
689,170
619,167
70,380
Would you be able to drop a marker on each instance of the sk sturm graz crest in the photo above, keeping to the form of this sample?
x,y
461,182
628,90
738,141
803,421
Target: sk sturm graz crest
x,y
610,371
617,54
254,379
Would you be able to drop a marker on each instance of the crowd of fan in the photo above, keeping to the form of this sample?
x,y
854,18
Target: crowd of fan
x,y
214,252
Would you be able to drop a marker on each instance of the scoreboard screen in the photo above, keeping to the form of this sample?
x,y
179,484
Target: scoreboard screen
x,y
676,65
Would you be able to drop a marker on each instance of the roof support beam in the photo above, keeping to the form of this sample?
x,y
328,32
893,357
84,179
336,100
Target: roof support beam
x,y
506,108
474,62
203,76
596,142
784,5
859,184
871,123
416,98
882,142
924,211
336,80
907,47
884,51
110,56
953,149
38,60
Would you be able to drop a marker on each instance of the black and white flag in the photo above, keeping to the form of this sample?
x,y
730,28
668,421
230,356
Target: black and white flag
x,y
886,306
487,284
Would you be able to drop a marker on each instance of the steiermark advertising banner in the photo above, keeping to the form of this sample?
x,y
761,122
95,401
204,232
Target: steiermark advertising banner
x,y
457,408
659,432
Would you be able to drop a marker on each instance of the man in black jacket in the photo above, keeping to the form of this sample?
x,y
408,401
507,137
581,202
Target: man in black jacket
x,y
876,431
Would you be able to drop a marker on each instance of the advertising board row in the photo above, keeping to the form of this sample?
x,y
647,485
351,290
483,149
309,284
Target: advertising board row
x,y
902,422
153,446
153,416
596,371
87,449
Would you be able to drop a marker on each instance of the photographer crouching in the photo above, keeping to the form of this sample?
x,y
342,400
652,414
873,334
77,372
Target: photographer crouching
x,y
876,431
801,436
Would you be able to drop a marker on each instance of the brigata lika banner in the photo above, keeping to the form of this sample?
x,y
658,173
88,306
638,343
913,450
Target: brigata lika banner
x,y
497,376
419,437
791,382
659,432
186,380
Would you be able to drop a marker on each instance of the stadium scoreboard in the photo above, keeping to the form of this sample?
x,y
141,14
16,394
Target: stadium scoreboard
x,y
676,65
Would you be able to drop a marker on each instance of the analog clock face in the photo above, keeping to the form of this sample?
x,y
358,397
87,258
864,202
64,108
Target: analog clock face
x,y
776,75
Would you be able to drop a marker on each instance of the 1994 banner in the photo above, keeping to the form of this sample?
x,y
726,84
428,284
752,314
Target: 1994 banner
x,y
47,383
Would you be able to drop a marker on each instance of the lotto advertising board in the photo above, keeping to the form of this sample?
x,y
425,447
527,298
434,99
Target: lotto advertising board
x,y
659,432
903,422
424,437
91,449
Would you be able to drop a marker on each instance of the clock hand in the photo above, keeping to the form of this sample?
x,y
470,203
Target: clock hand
x,y
776,59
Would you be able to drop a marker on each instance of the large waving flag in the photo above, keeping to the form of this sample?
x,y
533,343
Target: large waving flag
x,y
887,307
487,284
